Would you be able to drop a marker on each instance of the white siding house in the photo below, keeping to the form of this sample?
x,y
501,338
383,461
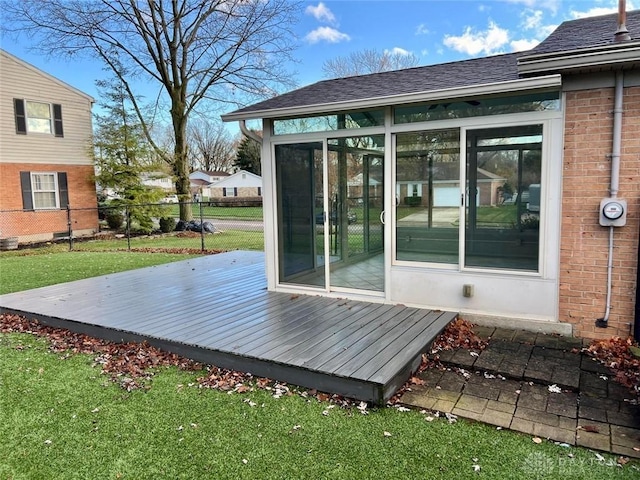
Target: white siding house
x,y
240,184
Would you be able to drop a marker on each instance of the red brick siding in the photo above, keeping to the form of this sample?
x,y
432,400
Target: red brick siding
x,y
584,243
82,194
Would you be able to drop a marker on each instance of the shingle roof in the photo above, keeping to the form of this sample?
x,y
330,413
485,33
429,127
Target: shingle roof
x,y
499,68
587,33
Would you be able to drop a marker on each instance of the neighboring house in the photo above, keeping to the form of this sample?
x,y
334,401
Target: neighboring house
x,y
45,166
240,184
201,182
211,177
159,180
554,131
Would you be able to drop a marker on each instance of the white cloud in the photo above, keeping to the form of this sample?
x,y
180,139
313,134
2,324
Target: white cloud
x,y
523,45
326,34
595,11
321,13
471,42
398,51
531,19
422,29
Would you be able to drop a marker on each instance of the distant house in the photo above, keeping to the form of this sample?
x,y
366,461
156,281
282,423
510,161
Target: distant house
x,y
240,184
201,182
534,155
45,166
159,180
210,176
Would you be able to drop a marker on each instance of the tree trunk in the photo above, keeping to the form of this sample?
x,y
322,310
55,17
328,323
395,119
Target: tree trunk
x,y
180,158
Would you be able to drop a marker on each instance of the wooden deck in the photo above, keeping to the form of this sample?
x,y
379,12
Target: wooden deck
x,y
216,309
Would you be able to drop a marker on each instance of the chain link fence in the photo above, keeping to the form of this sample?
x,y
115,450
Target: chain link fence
x,y
135,227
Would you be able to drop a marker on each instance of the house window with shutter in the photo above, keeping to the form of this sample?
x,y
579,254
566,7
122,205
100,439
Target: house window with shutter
x,y
38,117
44,190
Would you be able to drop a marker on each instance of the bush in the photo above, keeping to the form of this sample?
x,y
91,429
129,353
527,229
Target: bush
x,y
167,224
115,219
412,201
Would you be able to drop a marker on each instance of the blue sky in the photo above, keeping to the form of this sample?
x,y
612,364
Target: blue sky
x,y
435,31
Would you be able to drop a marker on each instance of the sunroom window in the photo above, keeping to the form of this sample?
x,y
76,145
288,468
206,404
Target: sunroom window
x,y
475,107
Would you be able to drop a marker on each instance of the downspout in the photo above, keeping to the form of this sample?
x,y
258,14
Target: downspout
x,y
248,133
615,183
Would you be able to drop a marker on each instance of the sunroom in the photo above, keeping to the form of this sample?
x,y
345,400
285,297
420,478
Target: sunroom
x,y
436,187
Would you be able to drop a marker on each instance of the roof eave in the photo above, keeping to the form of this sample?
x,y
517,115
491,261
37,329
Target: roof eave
x,y
610,55
525,84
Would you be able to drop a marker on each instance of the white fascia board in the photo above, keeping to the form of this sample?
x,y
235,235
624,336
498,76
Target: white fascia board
x,y
520,85
572,60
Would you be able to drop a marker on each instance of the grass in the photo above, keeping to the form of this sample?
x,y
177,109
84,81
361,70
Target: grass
x,y
228,240
26,269
62,419
226,213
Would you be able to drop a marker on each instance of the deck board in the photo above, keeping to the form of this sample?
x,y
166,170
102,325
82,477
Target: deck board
x,y
216,309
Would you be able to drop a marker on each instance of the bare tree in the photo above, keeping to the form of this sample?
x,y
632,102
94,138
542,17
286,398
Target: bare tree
x,y
199,53
368,61
210,146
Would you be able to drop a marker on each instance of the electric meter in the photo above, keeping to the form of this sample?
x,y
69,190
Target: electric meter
x,y
613,212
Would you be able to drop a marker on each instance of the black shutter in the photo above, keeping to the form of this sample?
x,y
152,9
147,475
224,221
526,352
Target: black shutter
x,y
57,120
235,191
21,118
25,185
224,191
63,190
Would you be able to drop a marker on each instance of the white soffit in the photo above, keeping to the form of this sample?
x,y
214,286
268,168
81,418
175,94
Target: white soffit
x,y
513,86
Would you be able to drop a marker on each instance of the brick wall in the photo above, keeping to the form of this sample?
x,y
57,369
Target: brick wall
x,y
584,243
41,225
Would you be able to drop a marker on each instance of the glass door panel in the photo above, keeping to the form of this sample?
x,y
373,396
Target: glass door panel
x,y
299,180
428,196
355,209
502,227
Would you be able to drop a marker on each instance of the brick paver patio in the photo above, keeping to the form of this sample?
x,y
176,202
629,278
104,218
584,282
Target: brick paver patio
x,y
537,384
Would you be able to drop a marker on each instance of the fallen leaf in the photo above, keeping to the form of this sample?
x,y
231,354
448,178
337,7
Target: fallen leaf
x,y
537,440
476,468
48,442
623,460
555,389
387,434
590,428
417,381
245,461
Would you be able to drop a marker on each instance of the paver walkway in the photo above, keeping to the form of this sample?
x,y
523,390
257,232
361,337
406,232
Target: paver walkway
x,y
537,384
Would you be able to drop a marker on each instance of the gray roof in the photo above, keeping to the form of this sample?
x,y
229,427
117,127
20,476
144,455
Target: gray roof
x,y
499,68
587,33
570,35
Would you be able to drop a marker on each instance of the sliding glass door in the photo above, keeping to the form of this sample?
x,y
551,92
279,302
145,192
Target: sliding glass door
x,y
330,202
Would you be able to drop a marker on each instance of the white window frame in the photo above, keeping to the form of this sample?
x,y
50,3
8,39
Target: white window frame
x,y
35,191
28,117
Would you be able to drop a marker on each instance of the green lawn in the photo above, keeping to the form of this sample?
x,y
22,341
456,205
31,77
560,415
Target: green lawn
x,y
26,269
62,419
230,213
